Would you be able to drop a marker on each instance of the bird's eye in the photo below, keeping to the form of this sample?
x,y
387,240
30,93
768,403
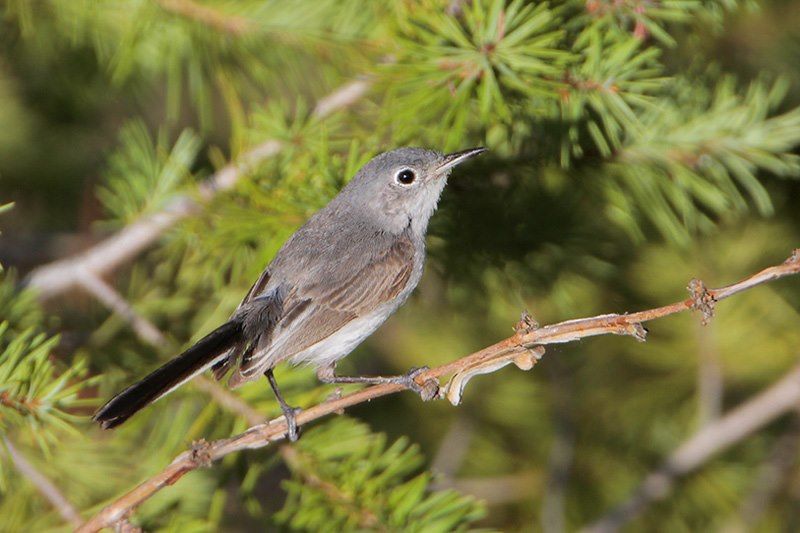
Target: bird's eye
x,y
406,176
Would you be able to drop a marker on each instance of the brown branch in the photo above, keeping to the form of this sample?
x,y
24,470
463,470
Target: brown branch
x,y
60,276
513,349
43,485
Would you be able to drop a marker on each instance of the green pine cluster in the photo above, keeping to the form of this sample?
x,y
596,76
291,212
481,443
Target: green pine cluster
x,y
633,145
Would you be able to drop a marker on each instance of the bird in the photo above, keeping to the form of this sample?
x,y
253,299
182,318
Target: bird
x,y
329,287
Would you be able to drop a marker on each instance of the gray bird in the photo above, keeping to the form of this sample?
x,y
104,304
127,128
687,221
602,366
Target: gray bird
x,y
332,284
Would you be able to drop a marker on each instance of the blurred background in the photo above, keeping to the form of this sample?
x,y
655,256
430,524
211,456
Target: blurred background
x,y
634,145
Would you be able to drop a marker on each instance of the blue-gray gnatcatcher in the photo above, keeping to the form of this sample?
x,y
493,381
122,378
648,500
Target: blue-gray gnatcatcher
x,y
337,279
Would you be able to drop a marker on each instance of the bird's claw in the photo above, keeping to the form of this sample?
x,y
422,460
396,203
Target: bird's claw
x,y
427,391
293,432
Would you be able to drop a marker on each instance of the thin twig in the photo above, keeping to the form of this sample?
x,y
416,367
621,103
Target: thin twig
x,y
43,485
727,430
452,450
206,15
60,276
562,452
710,384
498,490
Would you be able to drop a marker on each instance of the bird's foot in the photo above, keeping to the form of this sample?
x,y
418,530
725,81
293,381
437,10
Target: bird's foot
x,y
427,390
290,414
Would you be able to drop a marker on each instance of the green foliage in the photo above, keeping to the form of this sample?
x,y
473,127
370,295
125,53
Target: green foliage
x,y
697,156
36,392
458,70
146,172
633,145
347,478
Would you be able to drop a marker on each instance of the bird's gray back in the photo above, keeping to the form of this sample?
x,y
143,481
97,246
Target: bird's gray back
x,y
335,270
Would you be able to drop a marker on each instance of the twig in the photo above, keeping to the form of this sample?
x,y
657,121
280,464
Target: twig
x,y
727,430
710,385
452,450
60,276
562,451
204,14
43,485
498,490
742,421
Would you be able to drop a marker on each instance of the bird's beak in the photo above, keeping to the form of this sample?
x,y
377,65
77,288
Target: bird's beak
x,y
451,160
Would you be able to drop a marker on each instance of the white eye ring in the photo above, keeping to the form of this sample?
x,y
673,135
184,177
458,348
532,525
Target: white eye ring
x,y
405,177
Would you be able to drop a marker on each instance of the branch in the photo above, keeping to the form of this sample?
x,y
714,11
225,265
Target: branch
x,y
104,292
206,15
43,485
524,349
772,477
60,276
750,416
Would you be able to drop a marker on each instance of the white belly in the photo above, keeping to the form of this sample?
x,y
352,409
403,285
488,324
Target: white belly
x,y
334,347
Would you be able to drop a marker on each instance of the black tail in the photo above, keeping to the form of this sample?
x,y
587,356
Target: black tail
x,y
161,381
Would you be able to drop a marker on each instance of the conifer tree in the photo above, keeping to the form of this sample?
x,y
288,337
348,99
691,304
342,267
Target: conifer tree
x,y
627,156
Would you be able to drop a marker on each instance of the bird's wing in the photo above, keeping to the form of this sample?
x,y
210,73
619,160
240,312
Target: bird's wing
x,y
315,310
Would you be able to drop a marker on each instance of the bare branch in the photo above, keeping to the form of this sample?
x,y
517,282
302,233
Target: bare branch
x,y
714,437
750,416
772,477
43,485
60,276
113,300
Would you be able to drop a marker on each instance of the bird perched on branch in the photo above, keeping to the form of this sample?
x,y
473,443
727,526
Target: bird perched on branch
x,y
332,284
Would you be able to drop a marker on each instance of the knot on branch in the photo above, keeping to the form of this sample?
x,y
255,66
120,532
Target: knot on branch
x,y
632,329
793,259
201,453
527,359
702,300
526,323
124,526
429,389
523,357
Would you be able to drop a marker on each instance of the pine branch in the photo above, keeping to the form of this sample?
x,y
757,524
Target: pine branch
x,y
524,349
60,276
45,487
366,519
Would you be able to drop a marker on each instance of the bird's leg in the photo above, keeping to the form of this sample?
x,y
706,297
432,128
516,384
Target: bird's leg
x,y
426,391
288,412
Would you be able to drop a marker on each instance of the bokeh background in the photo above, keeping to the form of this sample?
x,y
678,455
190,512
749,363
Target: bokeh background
x,y
634,145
